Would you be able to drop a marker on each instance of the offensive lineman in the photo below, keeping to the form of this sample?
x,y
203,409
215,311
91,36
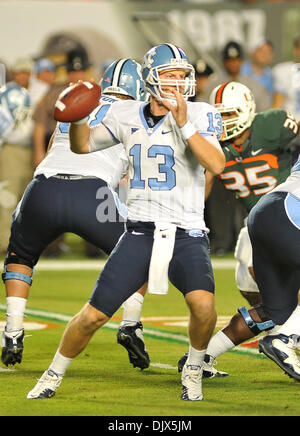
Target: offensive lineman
x,y
274,224
276,263
169,144
67,194
258,158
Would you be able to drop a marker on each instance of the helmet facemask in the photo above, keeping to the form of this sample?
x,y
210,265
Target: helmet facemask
x,y
186,87
236,101
236,123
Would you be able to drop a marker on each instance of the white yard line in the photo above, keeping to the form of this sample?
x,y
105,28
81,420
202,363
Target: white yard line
x,y
92,265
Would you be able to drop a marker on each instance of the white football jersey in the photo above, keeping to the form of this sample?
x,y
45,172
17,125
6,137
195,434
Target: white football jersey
x,y
109,165
166,181
287,82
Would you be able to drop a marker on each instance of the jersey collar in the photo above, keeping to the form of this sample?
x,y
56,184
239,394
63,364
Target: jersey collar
x,y
149,130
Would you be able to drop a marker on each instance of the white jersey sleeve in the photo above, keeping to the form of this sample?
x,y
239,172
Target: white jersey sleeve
x,y
112,118
207,120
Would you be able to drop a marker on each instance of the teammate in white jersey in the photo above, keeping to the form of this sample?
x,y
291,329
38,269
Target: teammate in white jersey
x,y
169,143
69,193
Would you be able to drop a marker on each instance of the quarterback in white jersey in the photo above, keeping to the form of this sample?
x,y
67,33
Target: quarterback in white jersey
x,y
169,143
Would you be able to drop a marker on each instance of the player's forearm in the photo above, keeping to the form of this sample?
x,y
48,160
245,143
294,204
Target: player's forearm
x,y
79,138
209,156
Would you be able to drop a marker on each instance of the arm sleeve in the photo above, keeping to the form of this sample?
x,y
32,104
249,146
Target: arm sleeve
x,y
208,122
101,138
105,133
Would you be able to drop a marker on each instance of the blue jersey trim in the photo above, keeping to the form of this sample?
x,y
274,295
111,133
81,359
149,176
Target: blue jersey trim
x,y
99,115
149,130
292,208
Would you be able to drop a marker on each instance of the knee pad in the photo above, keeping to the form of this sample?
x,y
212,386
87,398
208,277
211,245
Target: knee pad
x,y
256,327
11,275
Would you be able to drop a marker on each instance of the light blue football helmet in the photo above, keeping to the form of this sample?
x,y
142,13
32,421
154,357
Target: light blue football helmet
x,y
15,100
165,57
124,76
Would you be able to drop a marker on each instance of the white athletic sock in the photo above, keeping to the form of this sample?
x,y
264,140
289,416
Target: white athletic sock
x,y
219,344
132,309
195,357
15,308
292,325
59,363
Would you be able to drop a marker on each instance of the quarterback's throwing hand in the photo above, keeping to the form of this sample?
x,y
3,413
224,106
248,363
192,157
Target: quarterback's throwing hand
x,y
179,111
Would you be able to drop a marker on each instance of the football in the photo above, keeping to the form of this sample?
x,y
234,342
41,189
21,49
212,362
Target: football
x,y
77,101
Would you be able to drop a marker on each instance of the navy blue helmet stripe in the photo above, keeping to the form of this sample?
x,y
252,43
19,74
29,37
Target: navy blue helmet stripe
x,y
177,53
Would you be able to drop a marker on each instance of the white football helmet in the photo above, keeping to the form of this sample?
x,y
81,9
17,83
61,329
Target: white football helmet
x,y
235,99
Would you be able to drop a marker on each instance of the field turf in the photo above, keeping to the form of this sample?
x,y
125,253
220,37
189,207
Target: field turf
x,y
101,382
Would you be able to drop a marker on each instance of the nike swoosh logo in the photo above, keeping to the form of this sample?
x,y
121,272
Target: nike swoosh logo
x,y
256,152
164,133
136,233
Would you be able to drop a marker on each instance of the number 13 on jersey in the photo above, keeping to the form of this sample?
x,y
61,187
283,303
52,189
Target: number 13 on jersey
x,y
165,168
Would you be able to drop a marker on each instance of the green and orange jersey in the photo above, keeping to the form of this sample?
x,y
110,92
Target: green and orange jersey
x,y
264,160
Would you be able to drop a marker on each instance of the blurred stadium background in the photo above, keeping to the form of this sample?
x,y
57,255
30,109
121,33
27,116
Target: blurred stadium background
x,y
108,29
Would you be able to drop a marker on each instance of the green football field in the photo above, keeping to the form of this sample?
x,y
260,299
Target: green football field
x,y
101,382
